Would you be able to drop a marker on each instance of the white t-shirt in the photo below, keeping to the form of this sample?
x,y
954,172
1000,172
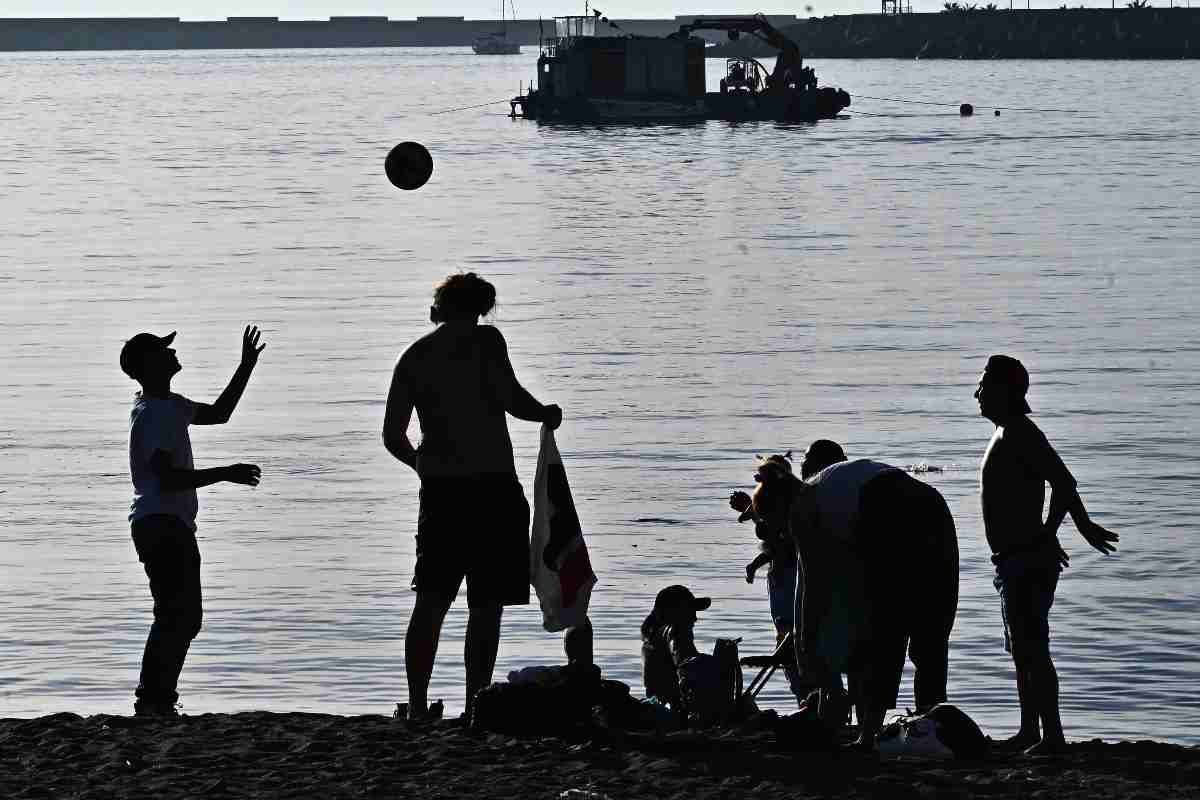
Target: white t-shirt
x,y
158,423
838,491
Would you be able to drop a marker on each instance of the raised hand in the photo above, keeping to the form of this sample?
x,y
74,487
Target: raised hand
x,y
1098,537
246,474
739,501
250,346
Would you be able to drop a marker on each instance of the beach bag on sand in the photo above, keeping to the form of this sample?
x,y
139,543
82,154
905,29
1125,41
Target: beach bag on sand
x,y
538,708
560,569
944,731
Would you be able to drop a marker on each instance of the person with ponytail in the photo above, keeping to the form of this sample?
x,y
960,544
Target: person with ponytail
x,y
473,521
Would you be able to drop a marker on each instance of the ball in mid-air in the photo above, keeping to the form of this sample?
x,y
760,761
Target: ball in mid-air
x,y
408,165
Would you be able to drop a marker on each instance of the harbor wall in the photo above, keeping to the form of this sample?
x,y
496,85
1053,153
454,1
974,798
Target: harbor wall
x,y
1060,33
172,33
969,33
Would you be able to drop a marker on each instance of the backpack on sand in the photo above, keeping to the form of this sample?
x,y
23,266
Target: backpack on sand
x,y
943,731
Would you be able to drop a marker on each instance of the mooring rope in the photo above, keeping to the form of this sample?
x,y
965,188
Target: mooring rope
x,y
956,105
464,108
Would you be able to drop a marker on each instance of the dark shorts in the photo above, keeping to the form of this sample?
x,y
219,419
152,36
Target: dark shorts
x,y
1026,595
474,527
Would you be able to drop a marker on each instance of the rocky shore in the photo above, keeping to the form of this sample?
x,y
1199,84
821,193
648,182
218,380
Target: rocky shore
x,y
296,755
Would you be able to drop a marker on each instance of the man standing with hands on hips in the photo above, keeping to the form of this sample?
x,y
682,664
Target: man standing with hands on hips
x,y
1018,464
163,512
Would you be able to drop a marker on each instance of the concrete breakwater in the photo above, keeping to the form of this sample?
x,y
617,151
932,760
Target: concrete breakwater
x,y
965,33
172,33
1060,33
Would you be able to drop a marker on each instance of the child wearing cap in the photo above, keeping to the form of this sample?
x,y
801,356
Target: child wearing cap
x,y
1016,467
162,515
668,640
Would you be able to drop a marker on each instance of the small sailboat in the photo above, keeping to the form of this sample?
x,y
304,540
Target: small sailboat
x,y
496,43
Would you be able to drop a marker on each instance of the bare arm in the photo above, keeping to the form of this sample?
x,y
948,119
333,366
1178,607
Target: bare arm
x,y
397,416
516,399
1064,495
220,411
173,479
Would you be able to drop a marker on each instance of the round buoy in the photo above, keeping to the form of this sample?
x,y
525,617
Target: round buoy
x,y
408,165
966,109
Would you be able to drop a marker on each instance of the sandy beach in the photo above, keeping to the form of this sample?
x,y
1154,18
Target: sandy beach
x,y
269,755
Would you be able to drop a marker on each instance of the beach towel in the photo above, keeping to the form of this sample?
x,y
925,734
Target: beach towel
x,y
560,569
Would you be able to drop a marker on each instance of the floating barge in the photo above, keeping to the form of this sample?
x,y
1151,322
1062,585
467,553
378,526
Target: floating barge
x,y
585,77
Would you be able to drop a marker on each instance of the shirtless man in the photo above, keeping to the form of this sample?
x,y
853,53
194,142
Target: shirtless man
x,y
473,521
1018,464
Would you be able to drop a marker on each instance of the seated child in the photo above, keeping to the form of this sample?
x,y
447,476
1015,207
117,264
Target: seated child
x,y
699,688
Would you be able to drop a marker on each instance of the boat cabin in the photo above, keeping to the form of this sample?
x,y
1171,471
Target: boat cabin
x,y
578,63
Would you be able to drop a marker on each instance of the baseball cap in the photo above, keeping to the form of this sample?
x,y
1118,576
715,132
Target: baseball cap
x,y
1013,374
133,354
675,598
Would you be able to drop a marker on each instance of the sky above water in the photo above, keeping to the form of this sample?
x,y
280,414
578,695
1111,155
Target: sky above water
x,y
471,9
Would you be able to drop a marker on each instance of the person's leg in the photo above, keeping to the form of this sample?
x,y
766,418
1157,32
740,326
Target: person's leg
x,y
1026,605
1041,677
888,523
168,550
497,574
781,592
437,576
482,644
421,644
933,620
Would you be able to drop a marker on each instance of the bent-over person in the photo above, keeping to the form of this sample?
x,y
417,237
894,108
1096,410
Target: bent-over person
x,y
878,558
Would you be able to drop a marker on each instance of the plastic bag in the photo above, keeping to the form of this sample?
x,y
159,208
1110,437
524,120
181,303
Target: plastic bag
x,y
560,569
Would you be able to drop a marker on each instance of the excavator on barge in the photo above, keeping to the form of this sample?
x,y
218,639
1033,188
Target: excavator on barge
x,y
584,77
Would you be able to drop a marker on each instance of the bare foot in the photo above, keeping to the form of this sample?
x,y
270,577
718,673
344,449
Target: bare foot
x,y
1019,742
861,745
1047,747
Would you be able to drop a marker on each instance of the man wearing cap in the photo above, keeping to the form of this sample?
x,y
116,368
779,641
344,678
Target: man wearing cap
x,y
668,640
1018,464
163,512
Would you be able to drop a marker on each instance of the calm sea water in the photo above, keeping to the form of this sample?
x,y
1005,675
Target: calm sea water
x,y
690,295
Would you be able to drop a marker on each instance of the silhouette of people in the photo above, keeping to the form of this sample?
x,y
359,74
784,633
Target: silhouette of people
x,y
779,550
163,513
1017,465
669,640
473,521
878,559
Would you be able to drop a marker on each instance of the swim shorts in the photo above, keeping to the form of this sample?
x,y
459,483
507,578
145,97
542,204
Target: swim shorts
x,y
1026,595
474,527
